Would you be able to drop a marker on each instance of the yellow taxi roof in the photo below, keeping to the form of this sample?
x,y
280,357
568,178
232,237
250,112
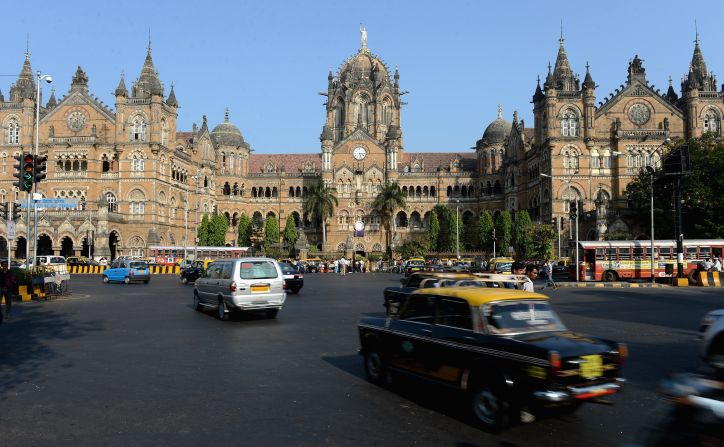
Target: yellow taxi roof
x,y
502,260
477,296
446,275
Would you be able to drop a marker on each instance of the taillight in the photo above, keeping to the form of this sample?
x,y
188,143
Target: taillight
x,y
555,360
284,285
131,272
232,287
622,352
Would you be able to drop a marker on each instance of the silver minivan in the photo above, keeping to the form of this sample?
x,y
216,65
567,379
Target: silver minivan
x,y
241,284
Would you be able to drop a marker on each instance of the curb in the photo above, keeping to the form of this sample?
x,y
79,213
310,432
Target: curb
x,y
613,285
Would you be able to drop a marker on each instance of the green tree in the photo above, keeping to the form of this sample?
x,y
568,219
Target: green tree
x,y
217,228
433,231
244,237
542,239
291,234
503,233
446,237
413,248
522,237
271,233
386,202
203,231
319,204
702,200
485,231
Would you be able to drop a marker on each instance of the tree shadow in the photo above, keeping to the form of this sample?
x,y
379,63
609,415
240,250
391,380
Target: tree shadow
x,y
24,347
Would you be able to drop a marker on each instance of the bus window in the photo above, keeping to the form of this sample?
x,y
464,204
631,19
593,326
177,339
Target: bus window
x,y
624,254
665,252
599,253
704,252
611,254
638,252
648,253
691,253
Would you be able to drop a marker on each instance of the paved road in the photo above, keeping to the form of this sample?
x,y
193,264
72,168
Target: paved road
x,y
135,365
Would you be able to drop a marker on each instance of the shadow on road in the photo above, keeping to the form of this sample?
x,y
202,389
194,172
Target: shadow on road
x,y
24,342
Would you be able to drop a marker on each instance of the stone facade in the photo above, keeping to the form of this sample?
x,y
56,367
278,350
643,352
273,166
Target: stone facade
x,y
141,182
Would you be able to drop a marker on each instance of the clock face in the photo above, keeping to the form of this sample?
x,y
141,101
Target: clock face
x,y
359,153
359,226
639,114
76,121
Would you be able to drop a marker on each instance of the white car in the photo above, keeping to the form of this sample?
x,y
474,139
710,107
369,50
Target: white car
x,y
711,332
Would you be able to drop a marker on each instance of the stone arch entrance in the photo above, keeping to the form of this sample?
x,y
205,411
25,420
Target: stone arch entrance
x,y
45,245
66,247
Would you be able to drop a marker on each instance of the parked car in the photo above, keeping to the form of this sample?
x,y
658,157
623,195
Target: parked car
x,y
15,263
127,271
293,280
413,265
79,260
506,349
241,284
711,333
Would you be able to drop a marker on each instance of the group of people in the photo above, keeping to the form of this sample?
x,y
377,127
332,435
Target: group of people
x,y
710,266
344,266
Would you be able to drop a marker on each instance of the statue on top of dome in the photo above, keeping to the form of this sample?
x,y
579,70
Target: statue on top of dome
x,y
363,31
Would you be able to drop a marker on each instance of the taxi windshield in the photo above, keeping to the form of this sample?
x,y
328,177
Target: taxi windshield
x,y
516,317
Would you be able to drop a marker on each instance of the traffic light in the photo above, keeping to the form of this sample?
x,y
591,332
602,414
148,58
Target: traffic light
x,y
40,167
28,172
574,209
17,211
18,171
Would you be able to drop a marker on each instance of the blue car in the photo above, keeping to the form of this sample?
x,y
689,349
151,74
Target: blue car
x,y
127,271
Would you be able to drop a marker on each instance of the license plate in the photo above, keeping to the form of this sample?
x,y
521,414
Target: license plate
x,y
257,289
592,366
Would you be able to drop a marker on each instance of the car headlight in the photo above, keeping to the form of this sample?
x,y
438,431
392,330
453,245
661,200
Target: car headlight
x,y
709,319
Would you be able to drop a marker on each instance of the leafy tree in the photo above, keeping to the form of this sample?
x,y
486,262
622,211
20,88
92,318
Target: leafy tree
x,y
413,248
446,237
217,228
701,193
244,238
433,231
522,238
386,202
271,233
542,239
319,204
203,231
485,231
291,234
503,233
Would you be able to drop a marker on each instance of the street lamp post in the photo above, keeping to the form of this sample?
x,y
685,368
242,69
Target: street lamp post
x,y
196,229
457,228
48,78
650,171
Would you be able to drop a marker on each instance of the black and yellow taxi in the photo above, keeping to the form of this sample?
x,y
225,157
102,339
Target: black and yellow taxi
x,y
505,348
425,279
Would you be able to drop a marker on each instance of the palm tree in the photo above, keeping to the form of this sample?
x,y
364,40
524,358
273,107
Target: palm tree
x,y
319,204
386,202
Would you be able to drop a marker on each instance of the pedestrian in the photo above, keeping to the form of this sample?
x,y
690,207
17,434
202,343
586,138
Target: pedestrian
x,y
531,273
343,266
708,264
518,269
336,265
8,287
717,265
548,274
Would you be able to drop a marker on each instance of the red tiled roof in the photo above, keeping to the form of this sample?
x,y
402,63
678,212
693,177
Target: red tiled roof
x,y
432,160
186,137
291,163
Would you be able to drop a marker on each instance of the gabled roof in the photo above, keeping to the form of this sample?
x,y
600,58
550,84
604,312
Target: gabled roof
x,y
430,161
358,134
637,87
80,97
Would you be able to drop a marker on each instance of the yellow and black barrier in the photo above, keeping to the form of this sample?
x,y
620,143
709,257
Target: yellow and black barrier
x,y
710,279
98,269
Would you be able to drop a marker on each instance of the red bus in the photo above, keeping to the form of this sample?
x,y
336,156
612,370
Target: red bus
x,y
174,254
616,260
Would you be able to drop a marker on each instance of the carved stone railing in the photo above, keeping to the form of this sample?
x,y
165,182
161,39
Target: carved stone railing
x,y
11,105
107,175
71,140
70,174
138,101
639,134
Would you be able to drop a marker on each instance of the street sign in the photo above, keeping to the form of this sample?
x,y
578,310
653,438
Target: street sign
x,y
52,203
11,229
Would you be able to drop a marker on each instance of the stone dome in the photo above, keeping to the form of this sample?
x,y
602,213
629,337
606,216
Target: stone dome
x,y
360,65
227,134
497,131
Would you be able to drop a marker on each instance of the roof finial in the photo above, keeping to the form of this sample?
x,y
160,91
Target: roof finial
x,y
226,115
363,31
149,40
670,81
27,46
561,39
500,111
696,29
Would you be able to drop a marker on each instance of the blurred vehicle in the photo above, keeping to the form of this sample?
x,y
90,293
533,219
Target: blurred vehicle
x,y
293,280
505,349
414,265
193,271
127,271
80,261
711,334
241,285
419,279
311,265
501,265
15,263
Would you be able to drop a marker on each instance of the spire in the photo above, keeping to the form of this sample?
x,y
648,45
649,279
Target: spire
x,y
562,73
588,80
670,93
538,95
397,77
148,83
121,89
549,78
171,101
698,66
52,102
2,97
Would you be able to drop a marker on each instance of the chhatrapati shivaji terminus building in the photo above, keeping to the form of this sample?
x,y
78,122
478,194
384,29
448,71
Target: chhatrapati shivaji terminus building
x,y
140,180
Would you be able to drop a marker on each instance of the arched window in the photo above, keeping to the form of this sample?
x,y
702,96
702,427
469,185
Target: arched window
x,y
570,160
401,219
227,189
136,246
12,131
386,112
362,112
595,160
137,163
137,201
112,203
138,129
712,122
164,133
4,160
338,119
607,159
569,123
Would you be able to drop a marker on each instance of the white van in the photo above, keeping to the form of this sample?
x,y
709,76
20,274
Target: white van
x,y
55,263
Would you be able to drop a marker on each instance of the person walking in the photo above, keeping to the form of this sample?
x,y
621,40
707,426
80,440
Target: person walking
x,y
8,286
548,272
343,266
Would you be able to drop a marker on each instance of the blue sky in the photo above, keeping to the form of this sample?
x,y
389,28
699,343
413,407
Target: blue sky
x,y
267,60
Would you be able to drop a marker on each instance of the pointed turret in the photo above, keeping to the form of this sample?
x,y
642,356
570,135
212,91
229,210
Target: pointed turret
x,y
171,101
562,74
2,97
121,89
148,83
24,87
698,65
52,102
330,79
538,95
671,94
397,77
588,80
550,83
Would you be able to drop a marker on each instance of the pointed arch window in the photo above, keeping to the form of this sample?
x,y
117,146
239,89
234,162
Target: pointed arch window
x,y
138,129
570,161
363,115
164,133
338,119
712,122
595,160
386,112
137,163
569,123
12,131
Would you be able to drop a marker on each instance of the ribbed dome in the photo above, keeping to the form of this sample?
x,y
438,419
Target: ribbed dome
x,y
361,64
227,134
498,130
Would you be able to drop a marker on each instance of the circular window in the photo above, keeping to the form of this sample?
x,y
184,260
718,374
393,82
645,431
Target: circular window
x,y
76,121
639,114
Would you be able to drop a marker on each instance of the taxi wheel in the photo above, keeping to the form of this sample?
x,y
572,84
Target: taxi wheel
x,y
490,408
105,279
184,280
375,368
127,280
197,303
272,313
221,309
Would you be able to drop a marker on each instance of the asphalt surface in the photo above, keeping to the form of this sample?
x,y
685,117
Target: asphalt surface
x,y
135,365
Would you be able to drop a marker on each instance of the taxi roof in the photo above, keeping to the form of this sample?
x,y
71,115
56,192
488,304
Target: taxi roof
x,y
444,274
476,296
